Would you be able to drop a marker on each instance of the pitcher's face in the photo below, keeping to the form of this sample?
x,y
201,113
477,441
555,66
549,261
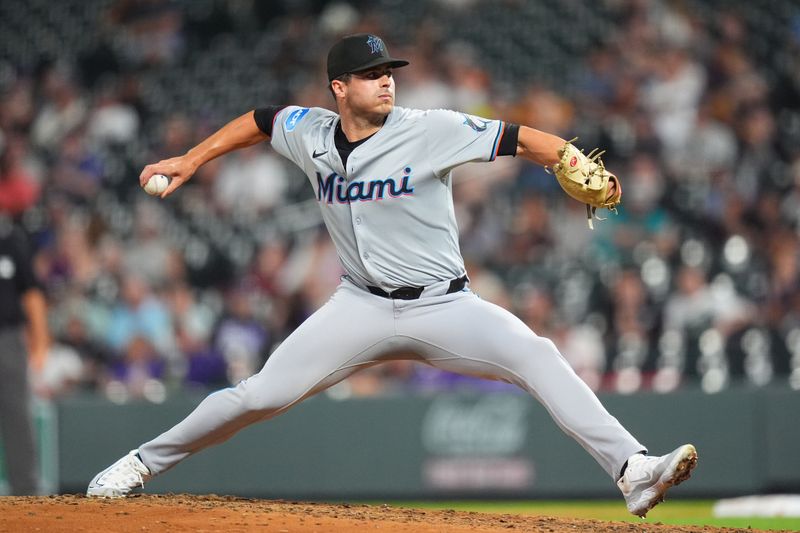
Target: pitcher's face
x,y
370,92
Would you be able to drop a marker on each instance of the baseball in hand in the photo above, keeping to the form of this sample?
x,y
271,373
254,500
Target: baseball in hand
x,y
157,184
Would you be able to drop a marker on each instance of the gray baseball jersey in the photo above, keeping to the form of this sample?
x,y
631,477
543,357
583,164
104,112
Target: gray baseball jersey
x,y
390,214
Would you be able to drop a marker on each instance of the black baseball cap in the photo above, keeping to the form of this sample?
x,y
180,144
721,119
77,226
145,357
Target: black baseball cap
x,y
359,52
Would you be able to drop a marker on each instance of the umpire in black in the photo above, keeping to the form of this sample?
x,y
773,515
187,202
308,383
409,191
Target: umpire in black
x,y
23,317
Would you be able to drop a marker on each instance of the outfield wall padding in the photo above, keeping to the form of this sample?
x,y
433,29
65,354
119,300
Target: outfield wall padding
x,y
445,445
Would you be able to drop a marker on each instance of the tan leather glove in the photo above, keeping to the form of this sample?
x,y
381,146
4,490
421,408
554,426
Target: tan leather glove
x,y
584,178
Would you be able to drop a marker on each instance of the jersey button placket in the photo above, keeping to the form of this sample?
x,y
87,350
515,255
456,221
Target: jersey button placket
x,y
357,219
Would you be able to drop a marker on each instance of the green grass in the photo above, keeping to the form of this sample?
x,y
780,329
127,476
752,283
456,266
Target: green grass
x,y
677,512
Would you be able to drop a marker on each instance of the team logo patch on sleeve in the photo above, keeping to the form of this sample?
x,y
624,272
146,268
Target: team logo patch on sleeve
x,y
295,117
472,122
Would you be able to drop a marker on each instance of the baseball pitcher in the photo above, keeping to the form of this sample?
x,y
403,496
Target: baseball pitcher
x,y
382,176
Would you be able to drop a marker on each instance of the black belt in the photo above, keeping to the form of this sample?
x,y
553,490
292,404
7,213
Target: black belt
x,y
413,293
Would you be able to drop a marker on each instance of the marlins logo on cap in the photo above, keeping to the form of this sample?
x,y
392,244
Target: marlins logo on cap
x,y
375,44
350,54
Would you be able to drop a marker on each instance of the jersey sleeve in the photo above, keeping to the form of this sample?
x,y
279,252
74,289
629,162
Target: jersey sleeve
x,y
290,131
265,117
455,138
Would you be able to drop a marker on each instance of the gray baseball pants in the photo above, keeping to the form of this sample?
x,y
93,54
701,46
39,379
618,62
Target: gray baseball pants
x,y
458,332
16,425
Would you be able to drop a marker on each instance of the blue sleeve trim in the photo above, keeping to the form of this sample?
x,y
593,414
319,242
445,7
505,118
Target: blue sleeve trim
x,y
497,140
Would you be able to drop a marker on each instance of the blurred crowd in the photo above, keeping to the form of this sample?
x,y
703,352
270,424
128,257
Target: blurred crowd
x,y
695,281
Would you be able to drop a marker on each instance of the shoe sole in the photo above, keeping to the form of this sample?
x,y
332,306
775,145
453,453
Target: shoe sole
x,y
101,493
678,471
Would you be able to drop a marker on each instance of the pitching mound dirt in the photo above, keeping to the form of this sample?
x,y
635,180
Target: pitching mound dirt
x,y
151,513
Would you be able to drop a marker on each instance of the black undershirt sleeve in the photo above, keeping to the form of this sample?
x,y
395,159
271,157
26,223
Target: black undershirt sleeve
x,y
508,143
265,116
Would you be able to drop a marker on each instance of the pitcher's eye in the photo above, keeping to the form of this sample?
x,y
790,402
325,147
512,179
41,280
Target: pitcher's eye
x,y
374,74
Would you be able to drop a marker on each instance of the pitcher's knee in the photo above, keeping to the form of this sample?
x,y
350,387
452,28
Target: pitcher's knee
x,y
266,400
545,346
531,345
533,353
